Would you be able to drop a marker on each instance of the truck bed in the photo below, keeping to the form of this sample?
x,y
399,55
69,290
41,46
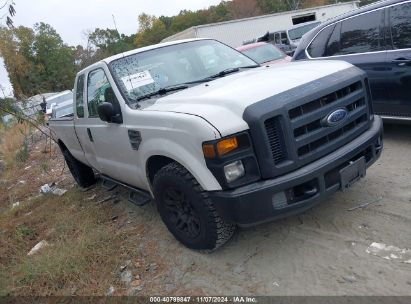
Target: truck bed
x,y
63,131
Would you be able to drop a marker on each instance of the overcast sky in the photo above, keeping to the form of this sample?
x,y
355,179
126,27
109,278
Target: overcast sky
x,y
72,18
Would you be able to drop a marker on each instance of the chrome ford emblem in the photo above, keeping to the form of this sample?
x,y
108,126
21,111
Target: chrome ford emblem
x,y
335,118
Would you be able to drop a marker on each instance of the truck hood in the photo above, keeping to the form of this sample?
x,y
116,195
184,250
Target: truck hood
x,y
222,101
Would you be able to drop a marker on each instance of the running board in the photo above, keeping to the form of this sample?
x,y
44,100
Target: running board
x,y
108,184
136,196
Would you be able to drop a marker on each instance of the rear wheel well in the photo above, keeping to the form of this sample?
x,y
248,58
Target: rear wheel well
x,y
62,146
154,164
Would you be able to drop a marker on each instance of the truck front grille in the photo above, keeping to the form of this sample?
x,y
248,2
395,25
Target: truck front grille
x,y
309,132
294,128
298,135
324,100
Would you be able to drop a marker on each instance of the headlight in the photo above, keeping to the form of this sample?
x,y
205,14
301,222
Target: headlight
x,y
232,160
234,171
225,146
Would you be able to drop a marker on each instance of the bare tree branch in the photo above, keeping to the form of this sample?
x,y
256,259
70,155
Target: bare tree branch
x,y
23,117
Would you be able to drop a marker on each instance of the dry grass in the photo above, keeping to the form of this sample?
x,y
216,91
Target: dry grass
x,y
12,143
86,246
81,244
83,251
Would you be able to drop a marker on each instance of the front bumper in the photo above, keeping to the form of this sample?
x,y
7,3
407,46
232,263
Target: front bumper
x,y
299,190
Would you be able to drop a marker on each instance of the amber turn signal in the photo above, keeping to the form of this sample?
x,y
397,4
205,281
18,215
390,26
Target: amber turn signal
x,y
208,150
227,145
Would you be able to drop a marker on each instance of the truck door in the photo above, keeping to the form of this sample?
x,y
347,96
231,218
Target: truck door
x,y
399,61
82,124
113,152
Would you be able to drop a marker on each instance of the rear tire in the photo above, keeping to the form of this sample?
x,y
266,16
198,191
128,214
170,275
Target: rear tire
x,y
82,174
187,210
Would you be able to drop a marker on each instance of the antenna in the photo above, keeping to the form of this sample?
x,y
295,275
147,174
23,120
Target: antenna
x,y
119,37
115,25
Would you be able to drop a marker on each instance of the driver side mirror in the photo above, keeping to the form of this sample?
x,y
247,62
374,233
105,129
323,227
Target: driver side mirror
x,y
106,111
110,109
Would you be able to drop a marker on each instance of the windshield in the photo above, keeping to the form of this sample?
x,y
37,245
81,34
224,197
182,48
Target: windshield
x,y
298,32
148,72
264,53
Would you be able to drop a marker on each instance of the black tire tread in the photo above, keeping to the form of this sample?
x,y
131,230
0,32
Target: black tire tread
x,y
223,230
83,174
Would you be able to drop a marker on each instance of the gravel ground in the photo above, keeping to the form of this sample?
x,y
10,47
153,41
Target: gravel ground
x,y
320,252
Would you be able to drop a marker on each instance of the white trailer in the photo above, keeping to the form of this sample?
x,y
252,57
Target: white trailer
x,y
235,32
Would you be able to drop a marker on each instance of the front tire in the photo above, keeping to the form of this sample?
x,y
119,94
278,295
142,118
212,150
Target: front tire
x,y
187,210
82,174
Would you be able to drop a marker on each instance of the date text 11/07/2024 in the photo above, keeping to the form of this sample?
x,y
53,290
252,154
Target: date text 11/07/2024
x,y
203,299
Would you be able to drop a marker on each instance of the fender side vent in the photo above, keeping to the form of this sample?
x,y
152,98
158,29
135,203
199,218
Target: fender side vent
x,y
135,139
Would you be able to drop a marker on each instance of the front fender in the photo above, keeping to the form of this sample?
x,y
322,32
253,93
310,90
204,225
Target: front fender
x,y
190,157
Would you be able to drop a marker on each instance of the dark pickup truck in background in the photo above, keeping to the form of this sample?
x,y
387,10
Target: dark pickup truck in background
x,y
377,39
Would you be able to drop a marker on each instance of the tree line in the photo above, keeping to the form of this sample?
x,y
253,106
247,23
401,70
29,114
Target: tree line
x,y
38,61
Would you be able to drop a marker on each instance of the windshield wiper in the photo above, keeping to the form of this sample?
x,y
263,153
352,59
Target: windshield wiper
x,y
163,91
185,85
224,73
250,66
232,70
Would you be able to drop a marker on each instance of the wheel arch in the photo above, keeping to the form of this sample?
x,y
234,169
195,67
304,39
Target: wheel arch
x,y
62,146
155,162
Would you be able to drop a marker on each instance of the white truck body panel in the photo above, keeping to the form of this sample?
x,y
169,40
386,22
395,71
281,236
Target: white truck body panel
x,y
63,130
175,126
223,101
115,158
235,32
216,139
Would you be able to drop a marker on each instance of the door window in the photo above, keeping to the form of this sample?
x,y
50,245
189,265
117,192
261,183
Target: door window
x,y
317,47
79,96
284,39
362,34
401,26
333,45
98,90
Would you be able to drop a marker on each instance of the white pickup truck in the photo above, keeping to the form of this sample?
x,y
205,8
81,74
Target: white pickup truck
x,y
217,141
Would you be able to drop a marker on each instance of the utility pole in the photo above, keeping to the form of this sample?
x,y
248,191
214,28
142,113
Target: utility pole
x,y
115,26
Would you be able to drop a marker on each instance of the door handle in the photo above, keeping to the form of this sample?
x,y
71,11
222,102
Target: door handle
x,y
89,135
401,61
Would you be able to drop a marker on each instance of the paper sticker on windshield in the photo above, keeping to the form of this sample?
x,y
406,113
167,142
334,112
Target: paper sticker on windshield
x,y
137,80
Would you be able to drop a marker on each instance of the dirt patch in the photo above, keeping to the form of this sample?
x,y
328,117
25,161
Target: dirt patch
x,y
320,252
